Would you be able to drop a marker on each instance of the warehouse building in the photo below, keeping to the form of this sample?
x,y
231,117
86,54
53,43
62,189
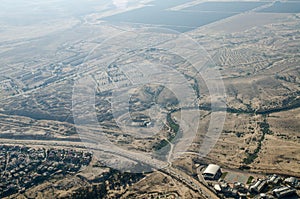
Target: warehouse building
x,y
283,192
258,186
212,172
292,181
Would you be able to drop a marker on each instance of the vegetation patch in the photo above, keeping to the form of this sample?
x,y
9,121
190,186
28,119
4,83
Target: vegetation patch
x,y
224,175
265,129
161,145
250,179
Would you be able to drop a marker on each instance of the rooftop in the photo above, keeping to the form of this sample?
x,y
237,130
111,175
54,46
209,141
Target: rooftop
x,y
212,169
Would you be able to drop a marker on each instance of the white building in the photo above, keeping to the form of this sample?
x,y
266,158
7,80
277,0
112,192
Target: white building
x,y
284,192
212,172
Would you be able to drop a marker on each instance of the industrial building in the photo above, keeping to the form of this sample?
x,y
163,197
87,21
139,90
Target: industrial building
x,y
258,186
212,172
284,192
292,181
274,180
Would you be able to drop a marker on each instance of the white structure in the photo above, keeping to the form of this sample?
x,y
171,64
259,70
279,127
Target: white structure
x,y
274,179
284,192
291,181
212,172
258,186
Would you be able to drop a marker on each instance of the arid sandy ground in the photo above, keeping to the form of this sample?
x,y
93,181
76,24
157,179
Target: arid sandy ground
x,y
259,66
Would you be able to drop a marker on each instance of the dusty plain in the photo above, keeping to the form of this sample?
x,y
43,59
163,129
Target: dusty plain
x,y
259,66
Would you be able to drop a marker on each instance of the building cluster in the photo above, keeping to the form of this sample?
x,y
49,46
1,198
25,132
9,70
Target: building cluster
x,y
273,186
8,86
22,167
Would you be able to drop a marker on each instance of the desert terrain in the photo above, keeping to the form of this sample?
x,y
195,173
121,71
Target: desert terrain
x,y
132,114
